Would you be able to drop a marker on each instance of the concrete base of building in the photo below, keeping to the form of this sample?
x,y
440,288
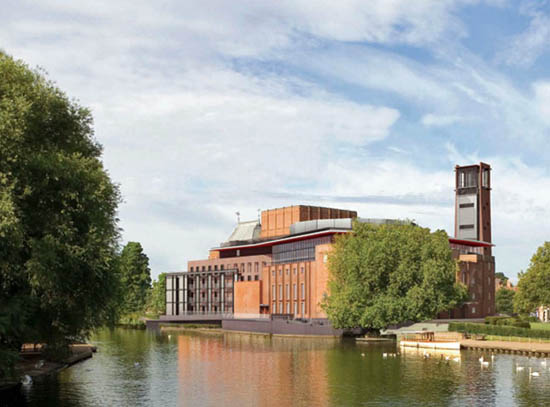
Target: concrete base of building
x,y
282,327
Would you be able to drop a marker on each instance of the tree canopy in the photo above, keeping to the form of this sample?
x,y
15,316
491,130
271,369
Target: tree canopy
x,y
58,226
135,278
534,285
157,299
504,301
387,274
502,277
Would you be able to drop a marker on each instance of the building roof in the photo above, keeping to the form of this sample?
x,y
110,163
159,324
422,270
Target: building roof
x,y
470,242
244,231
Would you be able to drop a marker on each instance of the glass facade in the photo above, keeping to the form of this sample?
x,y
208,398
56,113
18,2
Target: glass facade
x,y
298,251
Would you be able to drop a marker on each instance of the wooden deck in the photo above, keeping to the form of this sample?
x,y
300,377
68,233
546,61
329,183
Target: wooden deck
x,y
541,349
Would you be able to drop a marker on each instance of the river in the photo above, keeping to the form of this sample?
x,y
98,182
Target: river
x,y
140,368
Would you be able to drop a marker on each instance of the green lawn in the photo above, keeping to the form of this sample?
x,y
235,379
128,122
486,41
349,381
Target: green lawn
x,y
540,325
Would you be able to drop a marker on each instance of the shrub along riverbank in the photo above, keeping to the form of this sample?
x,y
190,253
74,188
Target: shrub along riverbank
x,y
498,330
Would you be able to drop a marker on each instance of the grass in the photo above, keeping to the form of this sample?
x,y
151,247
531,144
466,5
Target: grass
x,y
540,325
515,339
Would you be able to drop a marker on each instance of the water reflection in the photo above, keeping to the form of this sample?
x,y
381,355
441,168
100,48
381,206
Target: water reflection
x,y
137,368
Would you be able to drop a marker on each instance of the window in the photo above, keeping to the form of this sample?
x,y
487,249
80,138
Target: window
x,y
238,252
301,270
256,277
287,291
303,291
273,292
209,268
249,267
280,272
473,310
295,292
303,308
281,309
295,308
298,251
294,271
249,278
287,272
221,267
485,178
203,268
272,273
280,291
215,268
274,308
288,307
191,269
256,268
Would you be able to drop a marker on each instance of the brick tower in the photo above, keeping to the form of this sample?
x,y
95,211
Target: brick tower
x,y
473,203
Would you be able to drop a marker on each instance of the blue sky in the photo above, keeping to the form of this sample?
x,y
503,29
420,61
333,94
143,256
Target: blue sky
x,y
212,107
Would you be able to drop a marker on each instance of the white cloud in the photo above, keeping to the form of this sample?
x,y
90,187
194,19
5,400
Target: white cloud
x,y
432,120
525,48
201,111
542,99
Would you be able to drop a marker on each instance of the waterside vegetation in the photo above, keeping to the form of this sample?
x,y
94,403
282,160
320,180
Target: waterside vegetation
x,y
387,274
58,225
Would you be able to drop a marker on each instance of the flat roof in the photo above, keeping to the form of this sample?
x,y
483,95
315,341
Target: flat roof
x,y
468,242
285,239
332,231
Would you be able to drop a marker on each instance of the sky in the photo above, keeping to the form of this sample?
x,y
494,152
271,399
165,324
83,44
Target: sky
x,y
212,107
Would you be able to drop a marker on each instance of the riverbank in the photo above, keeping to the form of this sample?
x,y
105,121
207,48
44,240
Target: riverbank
x,y
540,349
33,365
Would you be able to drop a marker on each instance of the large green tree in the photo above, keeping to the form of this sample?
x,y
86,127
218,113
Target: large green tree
x,y
135,278
58,226
504,301
534,285
387,274
157,299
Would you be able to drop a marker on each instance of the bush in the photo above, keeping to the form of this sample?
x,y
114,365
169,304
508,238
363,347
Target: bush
x,y
508,321
498,330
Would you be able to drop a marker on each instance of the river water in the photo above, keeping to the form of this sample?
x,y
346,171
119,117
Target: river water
x,y
140,368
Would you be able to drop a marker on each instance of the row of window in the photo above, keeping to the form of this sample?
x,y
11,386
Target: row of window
x,y
294,252
287,271
287,296
282,309
244,267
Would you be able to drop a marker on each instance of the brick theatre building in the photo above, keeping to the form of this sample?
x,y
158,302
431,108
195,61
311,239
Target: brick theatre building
x,y
278,265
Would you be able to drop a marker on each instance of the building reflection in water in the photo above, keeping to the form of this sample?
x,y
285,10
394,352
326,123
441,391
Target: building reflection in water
x,y
252,370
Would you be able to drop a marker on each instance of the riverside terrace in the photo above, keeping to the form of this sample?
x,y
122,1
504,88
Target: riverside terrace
x,y
278,266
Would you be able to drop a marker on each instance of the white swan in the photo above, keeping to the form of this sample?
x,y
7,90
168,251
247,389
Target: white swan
x,y
534,374
384,355
457,359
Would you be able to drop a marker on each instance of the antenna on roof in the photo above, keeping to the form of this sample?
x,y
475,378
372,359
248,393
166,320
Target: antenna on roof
x,y
259,214
238,216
